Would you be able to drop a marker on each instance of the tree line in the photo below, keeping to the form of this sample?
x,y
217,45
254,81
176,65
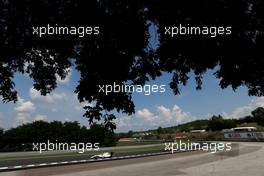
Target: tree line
x,y
21,138
218,123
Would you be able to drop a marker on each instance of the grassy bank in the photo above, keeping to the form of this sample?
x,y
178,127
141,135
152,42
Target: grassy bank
x,y
131,143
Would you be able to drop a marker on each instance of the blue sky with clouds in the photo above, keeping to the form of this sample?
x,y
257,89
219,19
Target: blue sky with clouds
x,y
157,109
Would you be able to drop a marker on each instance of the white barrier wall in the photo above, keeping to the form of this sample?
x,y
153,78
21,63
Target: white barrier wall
x,y
244,135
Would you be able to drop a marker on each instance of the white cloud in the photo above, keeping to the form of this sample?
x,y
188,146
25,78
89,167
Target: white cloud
x,y
23,117
245,110
40,117
145,114
259,102
166,112
49,98
24,106
145,119
24,110
54,110
174,115
67,78
240,112
132,123
148,118
67,120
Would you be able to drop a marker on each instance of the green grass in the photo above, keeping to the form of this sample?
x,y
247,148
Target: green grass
x,y
80,154
130,143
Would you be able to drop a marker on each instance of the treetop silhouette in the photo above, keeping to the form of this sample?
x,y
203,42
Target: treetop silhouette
x,y
121,53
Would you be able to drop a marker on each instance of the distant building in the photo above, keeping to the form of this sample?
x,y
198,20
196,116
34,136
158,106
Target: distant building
x,y
127,139
144,134
198,131
181,136
238,129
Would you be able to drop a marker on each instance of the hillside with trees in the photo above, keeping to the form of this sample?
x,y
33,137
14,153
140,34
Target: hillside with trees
x,y
213,125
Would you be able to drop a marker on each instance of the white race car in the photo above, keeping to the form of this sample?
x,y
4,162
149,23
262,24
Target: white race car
x,y
103,155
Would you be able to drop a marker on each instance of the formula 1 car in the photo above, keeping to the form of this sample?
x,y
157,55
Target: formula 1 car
x,y
103,155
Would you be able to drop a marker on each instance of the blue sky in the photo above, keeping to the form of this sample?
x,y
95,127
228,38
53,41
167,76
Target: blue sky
x,y
157,109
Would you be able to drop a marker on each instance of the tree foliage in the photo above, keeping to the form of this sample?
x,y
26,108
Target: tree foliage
x,y
22,137
258,115
122,52
218,123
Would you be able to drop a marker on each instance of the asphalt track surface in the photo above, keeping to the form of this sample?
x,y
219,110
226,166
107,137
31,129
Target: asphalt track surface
x,y
245,159
32,162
